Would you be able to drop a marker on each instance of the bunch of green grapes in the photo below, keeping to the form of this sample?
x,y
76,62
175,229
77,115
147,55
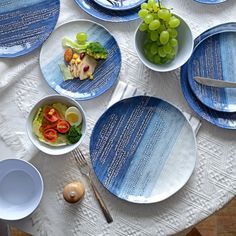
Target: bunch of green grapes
x,y
160,25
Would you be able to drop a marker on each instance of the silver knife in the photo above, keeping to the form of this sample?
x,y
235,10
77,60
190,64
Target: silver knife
x,y
214,82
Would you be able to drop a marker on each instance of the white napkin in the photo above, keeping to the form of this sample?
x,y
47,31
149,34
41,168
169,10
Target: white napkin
x,y
124,90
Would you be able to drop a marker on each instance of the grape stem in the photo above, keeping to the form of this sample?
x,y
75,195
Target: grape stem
x,y
159,3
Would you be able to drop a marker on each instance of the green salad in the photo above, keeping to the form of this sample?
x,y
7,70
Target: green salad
x,y
58,124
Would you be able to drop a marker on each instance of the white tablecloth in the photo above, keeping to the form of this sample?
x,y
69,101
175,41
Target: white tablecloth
x,y
212,184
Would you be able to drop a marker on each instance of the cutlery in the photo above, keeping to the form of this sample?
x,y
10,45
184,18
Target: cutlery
x,y
214,83
85,170
114,3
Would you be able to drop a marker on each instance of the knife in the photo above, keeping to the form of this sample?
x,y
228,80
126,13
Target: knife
x,y
214,82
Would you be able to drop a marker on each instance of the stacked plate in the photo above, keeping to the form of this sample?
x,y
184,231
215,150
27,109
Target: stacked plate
x,y
112,10
213,59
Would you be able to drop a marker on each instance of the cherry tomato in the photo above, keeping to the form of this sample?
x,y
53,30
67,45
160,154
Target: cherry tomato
x,y
50,135
63,126
51,114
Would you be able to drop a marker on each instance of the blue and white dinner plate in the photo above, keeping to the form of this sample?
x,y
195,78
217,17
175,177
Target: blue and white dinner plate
x,y
119,5
106,73
99,12
25,25
224,120
214,56
143,149
210,1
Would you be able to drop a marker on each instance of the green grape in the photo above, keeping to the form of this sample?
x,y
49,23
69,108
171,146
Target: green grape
x,y
144,5
164,60
157,59
143,13
155,7
154,36
150,57
151,3
173,42
147,46
174,22
167,48
164,37
169,57
155,24
143,27
81,37
164,14
148,19
155,16
154,49
161,28
161,52
173,52
173,33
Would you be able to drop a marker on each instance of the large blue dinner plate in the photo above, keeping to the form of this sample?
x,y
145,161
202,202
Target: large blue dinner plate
x,y
99,12
25,25
210,1
221,119
143,149
214,56
119,5
106,73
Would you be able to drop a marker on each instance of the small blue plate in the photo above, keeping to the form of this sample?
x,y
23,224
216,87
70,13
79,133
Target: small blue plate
x,y
214,56
143,149
25,25
221,119
95,10
119,5
210,1
106,73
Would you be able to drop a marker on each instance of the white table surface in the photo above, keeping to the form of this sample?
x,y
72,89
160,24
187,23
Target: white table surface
x,y
212,184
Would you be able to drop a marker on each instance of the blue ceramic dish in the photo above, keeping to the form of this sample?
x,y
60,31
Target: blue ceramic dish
x,y
95,10
214,56
221,119
143,149
25,25
123,5
106,73
210,1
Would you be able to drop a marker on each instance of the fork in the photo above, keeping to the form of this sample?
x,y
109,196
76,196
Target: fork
x,y
114,3
85,170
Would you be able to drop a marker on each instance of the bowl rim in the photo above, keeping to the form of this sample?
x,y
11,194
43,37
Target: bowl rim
x,y
64,149
154,66
41,190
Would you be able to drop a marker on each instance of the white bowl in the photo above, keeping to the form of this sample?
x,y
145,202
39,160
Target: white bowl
x,y
21,189
54,150
185,48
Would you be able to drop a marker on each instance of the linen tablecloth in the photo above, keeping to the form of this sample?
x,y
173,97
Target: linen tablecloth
x,y
212,184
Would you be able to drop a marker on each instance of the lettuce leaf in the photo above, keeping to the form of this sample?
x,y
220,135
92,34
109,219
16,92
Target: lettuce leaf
x,y
37,122
61,108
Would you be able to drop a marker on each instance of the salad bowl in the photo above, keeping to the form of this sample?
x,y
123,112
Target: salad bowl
x,y
55,148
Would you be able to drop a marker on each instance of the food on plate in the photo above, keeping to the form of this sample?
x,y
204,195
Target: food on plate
x,y
160,26
81,57
58,124
74,192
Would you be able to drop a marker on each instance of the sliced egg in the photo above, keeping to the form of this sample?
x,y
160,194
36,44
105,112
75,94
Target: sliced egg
x,y
73,116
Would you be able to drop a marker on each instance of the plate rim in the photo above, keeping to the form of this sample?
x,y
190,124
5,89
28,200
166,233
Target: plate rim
x,y
210,3
195,149
114,19
107,88
37,45
118,8
200,39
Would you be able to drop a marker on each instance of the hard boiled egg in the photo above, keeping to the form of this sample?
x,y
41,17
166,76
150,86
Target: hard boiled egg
x,y
73,116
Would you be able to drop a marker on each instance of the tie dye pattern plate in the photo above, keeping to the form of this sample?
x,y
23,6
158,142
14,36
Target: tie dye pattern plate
x,y
210,1
119,5
214,56
25,25
143,149
101,13
106,73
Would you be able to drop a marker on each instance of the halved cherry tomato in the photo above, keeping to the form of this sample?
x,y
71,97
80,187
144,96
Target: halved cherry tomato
x,y
63,126
50,135
48,126
51,114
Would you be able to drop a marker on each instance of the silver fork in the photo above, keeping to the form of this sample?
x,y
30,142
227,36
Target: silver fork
x,y
114,3
85,170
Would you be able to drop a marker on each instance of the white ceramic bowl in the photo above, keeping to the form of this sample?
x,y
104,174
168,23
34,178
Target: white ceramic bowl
x,y
185,48
21,189
53,150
